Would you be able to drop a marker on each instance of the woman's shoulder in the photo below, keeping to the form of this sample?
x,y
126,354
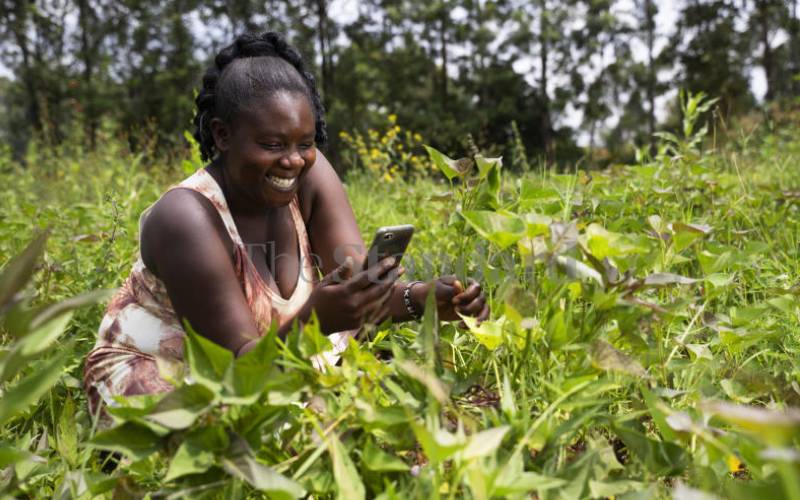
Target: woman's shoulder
x,y
180,219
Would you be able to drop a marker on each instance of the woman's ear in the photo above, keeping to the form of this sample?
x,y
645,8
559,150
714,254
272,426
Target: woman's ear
x,y
221,134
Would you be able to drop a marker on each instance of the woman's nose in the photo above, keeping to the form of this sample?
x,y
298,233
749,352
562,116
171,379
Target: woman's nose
x,y
293,160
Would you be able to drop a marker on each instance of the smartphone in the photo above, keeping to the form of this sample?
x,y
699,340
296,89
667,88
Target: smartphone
x,y
389,241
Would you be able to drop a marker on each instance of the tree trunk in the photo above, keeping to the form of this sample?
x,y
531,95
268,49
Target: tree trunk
x,y
546,122
766,58
651,74
443,44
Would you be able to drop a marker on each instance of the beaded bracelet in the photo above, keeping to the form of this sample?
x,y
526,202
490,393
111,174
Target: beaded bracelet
x,y
407,299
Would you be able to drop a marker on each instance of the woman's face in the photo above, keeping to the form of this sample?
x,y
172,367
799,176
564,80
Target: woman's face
x,y
267,149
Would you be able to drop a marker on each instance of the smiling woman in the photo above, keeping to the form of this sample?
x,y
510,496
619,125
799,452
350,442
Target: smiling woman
x,y
263,235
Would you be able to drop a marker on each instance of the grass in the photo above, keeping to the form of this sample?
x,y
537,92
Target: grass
x,y
643,339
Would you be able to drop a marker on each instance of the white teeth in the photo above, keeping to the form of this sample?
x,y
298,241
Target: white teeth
x,y
281,182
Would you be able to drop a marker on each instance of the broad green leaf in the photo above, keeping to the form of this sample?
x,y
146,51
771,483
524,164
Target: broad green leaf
x,y
663,279
252,372
489,333
563,237
686,234
659,412
700,351
312,341
606,357
610,489
488,192
537,225
189,459
375,459
132,439
438,445
49,312
33,385
241,463
661,458
180,407
602,243
10,455
484,443
507,403
444,163
348,482
513,479
67,433
576,269
18,271
208,362
32,345
485,165
427,378
775,427
501,229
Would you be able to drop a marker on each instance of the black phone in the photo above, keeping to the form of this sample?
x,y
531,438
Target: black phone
x,y
389,241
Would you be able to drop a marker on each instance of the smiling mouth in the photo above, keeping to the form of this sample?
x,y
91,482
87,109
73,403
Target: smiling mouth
x,y
281,183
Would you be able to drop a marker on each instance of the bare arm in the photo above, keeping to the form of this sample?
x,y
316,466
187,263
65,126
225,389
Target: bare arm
x,y
185,244
334,232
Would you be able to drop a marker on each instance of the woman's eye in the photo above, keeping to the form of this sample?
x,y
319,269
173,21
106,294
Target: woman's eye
x,y
307,145
271,146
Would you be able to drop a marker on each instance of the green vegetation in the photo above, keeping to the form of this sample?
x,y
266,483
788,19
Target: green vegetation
x,y
643,338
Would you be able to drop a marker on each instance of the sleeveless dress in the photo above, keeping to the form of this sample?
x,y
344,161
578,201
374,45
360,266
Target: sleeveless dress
x,y
140,336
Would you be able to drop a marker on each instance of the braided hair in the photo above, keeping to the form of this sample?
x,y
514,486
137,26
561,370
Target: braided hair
x,y
253,66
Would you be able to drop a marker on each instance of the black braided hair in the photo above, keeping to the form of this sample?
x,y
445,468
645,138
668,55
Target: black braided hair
x,y
252,66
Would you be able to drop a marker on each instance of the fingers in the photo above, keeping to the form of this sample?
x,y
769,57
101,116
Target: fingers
x,y
375,274
468,295
342,273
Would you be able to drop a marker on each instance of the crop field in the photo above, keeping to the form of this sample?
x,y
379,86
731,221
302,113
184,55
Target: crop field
x,y
644,337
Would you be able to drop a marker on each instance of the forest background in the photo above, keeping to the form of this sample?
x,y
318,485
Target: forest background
x,y
574,81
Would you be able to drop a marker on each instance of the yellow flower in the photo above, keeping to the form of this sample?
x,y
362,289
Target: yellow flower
x,y
417,137
392,118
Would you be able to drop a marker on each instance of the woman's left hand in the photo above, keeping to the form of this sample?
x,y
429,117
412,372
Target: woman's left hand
x,y
452,299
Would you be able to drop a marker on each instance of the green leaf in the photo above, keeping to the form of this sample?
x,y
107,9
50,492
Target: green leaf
x,y
501,229
603,243
10,455
241,463
576,269
348,482
208,362
312,341
32,345
610,489
489,333
33,385
444,163
606,357
438,445
253,371
130,438
663,279
18,271
775,427
427,378
485,165
484,443
189,459
67,433
375,459
661,458
179,408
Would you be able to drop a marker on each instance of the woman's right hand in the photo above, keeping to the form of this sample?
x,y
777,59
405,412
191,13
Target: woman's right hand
x,y
345,300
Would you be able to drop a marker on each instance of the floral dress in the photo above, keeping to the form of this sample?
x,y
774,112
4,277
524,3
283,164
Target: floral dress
x,y
140,334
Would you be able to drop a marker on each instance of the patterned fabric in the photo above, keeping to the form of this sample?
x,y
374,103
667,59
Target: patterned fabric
x,y
140,336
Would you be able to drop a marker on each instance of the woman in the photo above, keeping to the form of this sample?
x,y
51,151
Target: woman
x,y
240,243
